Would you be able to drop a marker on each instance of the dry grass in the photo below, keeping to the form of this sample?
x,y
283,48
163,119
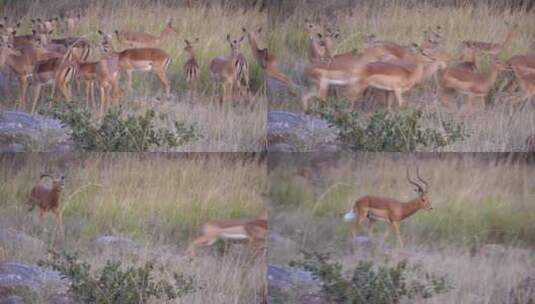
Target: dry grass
x,y
158,200
492,129
240,127
477,200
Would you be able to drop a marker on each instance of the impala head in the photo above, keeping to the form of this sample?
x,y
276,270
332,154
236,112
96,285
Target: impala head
x,y
189,46
106,42
58,182
432,37
252,35
169,28
421,190
235,44
311,27
7,49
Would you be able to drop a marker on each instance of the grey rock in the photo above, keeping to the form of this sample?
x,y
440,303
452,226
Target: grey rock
x,y
19,281
16,241
289,131
21,132
291,285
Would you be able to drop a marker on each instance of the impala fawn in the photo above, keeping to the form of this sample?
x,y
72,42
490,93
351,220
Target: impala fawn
x,y
389,210
47,198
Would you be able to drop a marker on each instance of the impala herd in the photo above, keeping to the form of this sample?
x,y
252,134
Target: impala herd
x,y
37,59
391,67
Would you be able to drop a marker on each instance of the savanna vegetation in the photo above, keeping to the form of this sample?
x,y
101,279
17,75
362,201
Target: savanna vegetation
x,y
478,237
149,207
502,122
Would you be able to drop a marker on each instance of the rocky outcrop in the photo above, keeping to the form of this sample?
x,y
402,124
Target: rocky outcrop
x,y
21,132
290,285
13,241
296,132
20,283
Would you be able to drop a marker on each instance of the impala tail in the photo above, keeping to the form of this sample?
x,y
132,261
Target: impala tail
x,y
350,215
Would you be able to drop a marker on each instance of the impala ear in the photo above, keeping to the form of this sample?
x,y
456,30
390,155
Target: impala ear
x,y
241,39
228,37
244,30
196,39
259,30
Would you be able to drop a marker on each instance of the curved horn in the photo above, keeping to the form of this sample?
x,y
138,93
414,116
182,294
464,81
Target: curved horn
x,y
421,179
419,188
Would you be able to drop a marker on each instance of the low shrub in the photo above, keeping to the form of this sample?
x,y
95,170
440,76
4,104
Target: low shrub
x,y
113,285
372,284
118,132
390,132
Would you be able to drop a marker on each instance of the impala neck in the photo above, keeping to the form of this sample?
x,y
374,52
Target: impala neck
x,y
431,69
493,75
509,37
411,207
254,47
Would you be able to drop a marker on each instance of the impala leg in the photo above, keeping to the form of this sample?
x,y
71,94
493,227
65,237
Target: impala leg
x,y
387,233
36,94
129,80
199,242
23,80
371,224
163,79
102,98
59,222
395,227
399,98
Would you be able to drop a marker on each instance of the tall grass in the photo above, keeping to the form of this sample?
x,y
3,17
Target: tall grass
x,y
158,200
475,201
495,127
236,127
149,197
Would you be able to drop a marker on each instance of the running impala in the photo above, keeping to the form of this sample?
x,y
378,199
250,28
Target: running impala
x,y
389,210
253,230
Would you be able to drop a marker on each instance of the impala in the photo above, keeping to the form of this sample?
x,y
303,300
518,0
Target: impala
x,y
191,67
58,71
253,230
362,72
231,71
70,23
143,59
522,66
47,197
471,83
389,210
22,64
266,60
525,79
492,49
144,40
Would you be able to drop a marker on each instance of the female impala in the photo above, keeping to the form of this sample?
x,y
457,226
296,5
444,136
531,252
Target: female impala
x,y
389,210
58,71
144,40
22,64
230,71
492,49
144,59
253,230
473,84
191,67
47,198
267,61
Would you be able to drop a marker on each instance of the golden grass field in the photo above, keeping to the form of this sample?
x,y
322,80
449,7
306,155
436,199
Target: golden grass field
x,y
235,127
495,127
477,199
157,200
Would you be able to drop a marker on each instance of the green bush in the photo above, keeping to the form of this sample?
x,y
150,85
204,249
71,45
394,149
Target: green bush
x,y
117,132
384,131
369,284
112,285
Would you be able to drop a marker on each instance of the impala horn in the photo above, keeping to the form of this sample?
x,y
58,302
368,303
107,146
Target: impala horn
x,y
419,188
421,179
